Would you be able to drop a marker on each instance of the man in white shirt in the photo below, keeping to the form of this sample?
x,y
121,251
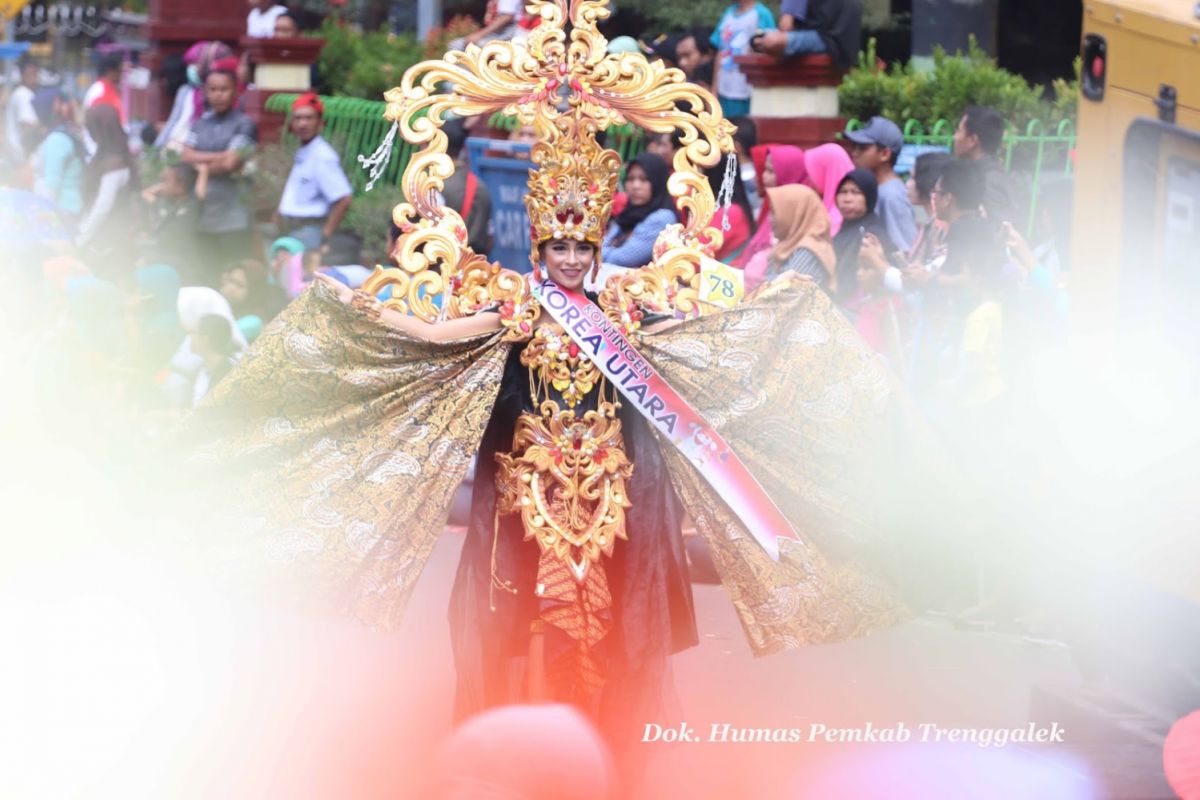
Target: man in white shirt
x,y
20,119
317,193
260,23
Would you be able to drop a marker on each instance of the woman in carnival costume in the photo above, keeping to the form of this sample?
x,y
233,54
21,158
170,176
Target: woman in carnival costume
x,y
593,420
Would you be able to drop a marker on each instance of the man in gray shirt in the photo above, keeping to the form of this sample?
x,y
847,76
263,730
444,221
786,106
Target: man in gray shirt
x,y
877,148
219,144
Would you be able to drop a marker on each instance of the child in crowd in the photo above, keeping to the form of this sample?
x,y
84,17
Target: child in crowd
x,y
738,25
174,211
286,259
213,342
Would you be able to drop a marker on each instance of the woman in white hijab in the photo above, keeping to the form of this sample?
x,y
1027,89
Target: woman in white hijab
x,y
190,375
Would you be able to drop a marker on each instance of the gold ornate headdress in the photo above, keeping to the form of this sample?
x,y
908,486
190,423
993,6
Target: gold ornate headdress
x,y
571,191
564,84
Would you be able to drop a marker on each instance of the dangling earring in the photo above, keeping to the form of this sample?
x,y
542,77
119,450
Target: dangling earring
x,y
595,264
537,270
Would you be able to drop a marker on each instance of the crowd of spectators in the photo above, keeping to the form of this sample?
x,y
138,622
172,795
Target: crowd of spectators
x,y
931,267
159,223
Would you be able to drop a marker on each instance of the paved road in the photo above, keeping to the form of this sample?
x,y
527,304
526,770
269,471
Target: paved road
x,y
148,687
922,672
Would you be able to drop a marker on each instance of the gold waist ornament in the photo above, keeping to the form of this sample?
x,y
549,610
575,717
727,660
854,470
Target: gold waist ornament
x,y
566,477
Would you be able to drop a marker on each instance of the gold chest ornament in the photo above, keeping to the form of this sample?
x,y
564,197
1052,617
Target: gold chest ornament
x,y
566,473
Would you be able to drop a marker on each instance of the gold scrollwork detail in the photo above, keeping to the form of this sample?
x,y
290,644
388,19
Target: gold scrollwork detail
x,y
569,89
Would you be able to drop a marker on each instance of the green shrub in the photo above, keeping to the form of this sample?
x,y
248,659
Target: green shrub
x,y
678,16
955,82
365,65
369,217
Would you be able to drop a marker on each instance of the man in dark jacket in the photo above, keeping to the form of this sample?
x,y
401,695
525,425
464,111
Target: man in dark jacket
x,y
978,138
819,26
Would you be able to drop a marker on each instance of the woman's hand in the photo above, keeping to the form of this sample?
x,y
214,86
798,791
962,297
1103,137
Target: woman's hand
x,y
871,252
344,293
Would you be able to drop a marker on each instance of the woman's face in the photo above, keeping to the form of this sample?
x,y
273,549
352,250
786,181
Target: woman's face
x,y
637,185
234,287
769,179
218,91
851,201
568,261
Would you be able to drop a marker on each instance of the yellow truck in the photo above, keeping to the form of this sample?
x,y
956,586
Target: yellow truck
x,y
1136,242
1135,299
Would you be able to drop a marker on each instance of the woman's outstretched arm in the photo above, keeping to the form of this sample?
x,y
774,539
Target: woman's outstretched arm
x,y
451,329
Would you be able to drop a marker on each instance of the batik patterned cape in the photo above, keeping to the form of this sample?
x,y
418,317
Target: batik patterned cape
x,y
338,442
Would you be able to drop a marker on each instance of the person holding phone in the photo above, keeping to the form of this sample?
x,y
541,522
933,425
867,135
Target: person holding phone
x,y
857,195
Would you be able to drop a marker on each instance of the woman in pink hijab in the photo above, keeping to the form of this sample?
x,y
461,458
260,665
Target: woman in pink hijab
x,y
777,165
826,165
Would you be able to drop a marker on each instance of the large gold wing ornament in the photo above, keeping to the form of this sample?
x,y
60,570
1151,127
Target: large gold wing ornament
x,y
564,83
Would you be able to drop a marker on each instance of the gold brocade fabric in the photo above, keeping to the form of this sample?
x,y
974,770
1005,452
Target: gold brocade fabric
x,y
807,406
336,445
346,440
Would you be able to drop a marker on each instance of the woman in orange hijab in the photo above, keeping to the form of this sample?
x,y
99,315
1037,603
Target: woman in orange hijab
x,y
802,240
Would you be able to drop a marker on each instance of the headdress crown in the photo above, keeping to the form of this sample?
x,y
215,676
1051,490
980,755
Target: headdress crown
x,y
571,190
563,83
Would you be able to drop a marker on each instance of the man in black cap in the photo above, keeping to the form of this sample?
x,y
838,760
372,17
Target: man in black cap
x,y
876,147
